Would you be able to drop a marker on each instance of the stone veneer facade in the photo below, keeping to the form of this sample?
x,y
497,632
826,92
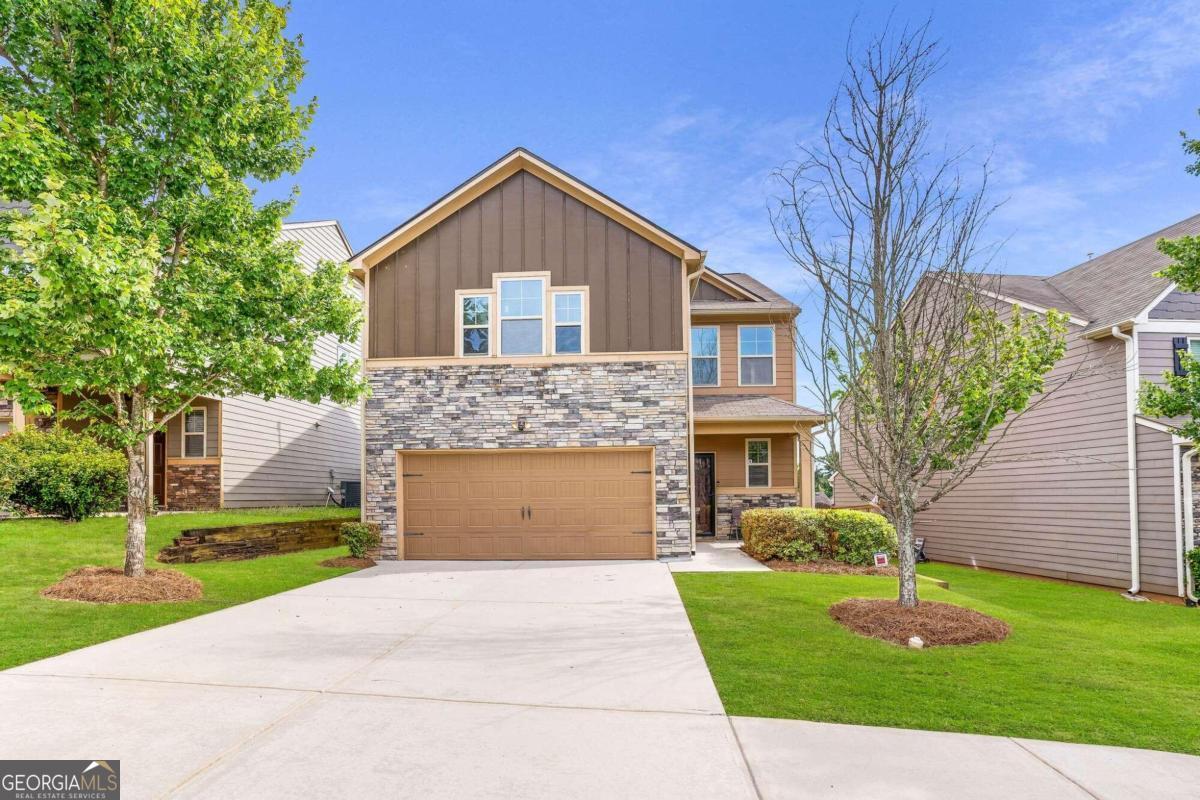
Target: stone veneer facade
x,y
193,487
726,503
476,406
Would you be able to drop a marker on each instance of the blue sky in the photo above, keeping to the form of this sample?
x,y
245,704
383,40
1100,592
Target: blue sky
x,y
682,110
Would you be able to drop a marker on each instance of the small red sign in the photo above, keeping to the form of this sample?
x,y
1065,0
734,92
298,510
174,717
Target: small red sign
x,y
881,559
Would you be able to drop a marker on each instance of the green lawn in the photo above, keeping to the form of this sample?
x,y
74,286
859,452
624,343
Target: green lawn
x,y
1081,665
36,553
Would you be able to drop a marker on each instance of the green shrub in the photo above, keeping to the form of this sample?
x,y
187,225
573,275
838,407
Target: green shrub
x,y
60,473
805,534
859,535
360,538
1194,560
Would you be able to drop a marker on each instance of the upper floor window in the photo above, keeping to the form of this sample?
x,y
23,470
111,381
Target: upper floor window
x,y
476,318
758,462
706,356
522,317
195,433
568,322
756,355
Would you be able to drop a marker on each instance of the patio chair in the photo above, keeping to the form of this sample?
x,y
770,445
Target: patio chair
x,y
735,524
919,550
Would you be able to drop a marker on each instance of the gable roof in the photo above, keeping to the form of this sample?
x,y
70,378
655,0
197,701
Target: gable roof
x,y
495,173
1107,290
756,296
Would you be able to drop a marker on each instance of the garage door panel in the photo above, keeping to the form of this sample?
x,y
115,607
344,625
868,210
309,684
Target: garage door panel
x,y
535,504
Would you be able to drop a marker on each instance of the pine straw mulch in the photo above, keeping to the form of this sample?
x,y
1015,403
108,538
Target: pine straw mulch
x,y
109,585
828,566
936,623
348,561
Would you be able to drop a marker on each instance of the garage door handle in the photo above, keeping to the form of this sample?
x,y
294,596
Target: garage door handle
x,y
522,512
408,533
643,533
531,512
412,475
640,472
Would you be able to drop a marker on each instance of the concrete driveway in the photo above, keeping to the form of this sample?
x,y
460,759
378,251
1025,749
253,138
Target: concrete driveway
x,y
506,680
407,680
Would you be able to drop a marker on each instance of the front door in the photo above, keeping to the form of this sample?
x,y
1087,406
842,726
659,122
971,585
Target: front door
x,y
160,469
706,506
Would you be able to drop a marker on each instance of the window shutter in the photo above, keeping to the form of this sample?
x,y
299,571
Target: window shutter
x,y
1180,345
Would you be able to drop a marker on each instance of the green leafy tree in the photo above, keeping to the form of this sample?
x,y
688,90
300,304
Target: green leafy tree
x,y
141,273
1179,395
918,365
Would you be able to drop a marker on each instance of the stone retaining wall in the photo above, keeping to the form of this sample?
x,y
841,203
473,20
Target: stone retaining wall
x,y
240,542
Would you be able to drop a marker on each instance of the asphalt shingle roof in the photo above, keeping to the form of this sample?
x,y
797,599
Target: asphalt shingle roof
x,y
749,406
1108,289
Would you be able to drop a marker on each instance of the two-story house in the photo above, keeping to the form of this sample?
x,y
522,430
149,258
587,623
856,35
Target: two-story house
x,y
1084,486
532,347
243,451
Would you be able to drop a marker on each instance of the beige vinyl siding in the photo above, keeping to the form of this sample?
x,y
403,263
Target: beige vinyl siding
x,y
1055,500
1156,511
280,452
785,355
730,461
212,439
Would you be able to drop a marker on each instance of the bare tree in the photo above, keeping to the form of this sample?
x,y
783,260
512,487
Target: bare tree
x,y
918,368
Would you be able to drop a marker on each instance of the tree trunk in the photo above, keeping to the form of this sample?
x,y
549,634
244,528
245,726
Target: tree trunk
x,y
137,499
906,558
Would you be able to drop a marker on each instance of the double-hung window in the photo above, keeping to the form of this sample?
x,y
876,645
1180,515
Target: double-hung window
x,y
706,356
756,355
195,433
522,317
758,462
476,316
568,322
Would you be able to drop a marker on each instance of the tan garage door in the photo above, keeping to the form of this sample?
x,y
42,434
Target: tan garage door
x,y
533,504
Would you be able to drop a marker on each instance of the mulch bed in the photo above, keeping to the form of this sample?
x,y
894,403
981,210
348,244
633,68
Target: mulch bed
x,y
936,623
109,585
348,561
829,567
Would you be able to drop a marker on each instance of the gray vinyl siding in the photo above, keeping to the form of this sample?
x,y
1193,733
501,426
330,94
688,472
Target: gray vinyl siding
x,y
1155,355
1053,499
1156,511
280,452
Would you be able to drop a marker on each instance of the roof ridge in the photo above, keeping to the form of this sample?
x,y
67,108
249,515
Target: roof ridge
x,y
1155,235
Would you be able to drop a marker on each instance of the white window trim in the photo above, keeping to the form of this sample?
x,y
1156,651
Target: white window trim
x,y
692,355
774,355
584,324
461,295
1191,339
183,433
746,458
498,280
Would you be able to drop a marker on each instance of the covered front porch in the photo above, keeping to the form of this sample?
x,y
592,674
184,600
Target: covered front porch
x,y
749,452
185,459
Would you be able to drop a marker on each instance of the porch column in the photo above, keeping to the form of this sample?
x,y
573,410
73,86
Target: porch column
x,y
18,417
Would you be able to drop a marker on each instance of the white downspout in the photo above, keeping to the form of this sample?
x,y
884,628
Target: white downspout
x,y
1187,535
1131,385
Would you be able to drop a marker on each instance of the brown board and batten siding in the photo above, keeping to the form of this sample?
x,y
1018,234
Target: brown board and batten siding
x,y
1056,500
1159,552
526,225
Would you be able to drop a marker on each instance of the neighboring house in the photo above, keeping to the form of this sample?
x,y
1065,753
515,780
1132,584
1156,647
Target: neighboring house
x,y
240,452
1083,487
531,351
